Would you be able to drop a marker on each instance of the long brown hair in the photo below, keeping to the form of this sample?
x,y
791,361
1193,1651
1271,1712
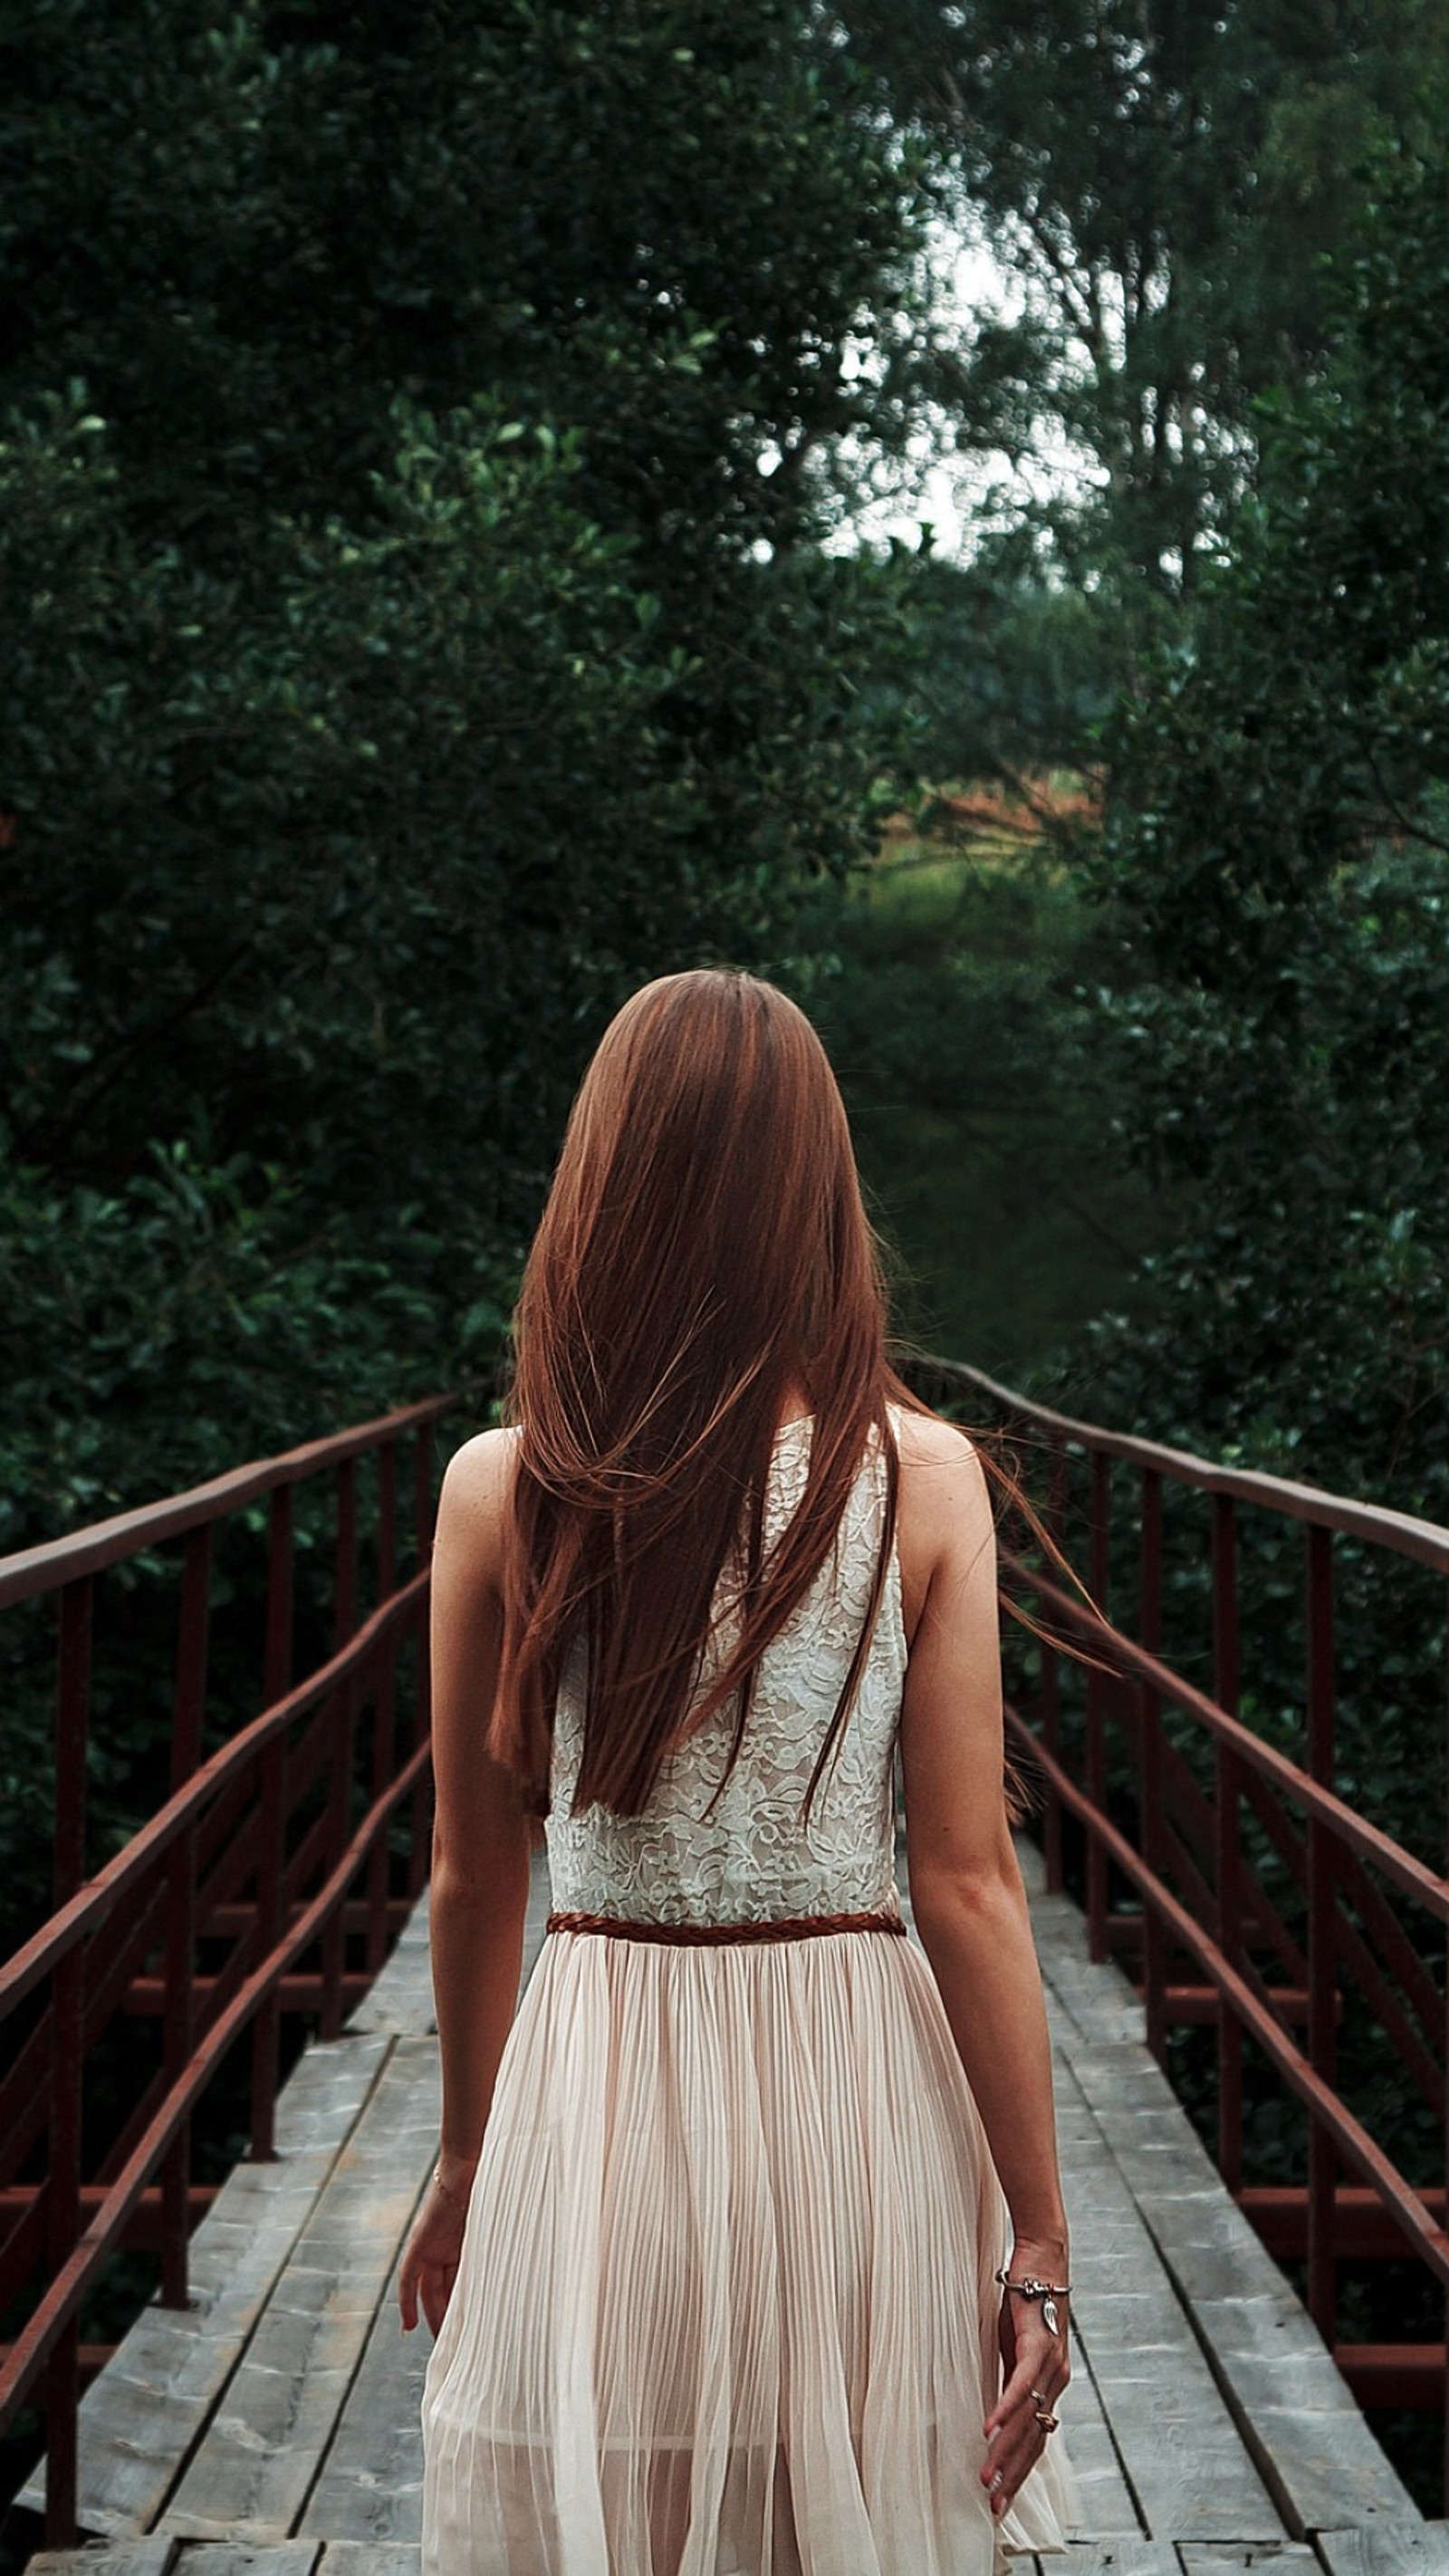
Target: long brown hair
x,y
705,1248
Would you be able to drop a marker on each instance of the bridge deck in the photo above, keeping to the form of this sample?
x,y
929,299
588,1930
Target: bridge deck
x,y
272,2429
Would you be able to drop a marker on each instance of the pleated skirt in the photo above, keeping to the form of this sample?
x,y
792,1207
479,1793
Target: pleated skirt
x,y
725,2304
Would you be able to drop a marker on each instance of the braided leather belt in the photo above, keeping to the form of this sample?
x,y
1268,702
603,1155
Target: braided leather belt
x,y
798,1927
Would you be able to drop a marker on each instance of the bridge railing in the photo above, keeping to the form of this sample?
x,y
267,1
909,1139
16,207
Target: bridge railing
x,y
271,1880
1244,1884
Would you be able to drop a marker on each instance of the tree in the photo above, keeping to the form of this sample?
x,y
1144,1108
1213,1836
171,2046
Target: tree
x,y
1276,863
412,631
1161,181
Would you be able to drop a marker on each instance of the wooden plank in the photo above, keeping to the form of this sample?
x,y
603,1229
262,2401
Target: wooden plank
x,y
252,2473
236,2558
540,1899
1297,2416
359,2558
1117,2557
1297,2413
140,2418
1154,2449
141,2415
1197,2412
148,2557
1098,2001
369,2490
1387,2549
1181,2452
1271,2558
400,1998
369,2486
1032,1865
1108,2509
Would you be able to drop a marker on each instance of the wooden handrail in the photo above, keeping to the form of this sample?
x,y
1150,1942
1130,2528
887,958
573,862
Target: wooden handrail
x,y
93,1903
1427,1886
1426,1541
33,1570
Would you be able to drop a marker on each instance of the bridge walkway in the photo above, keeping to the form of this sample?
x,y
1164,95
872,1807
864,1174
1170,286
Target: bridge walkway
x,y
272,2428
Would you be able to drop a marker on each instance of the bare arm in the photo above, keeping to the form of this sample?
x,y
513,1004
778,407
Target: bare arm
x,y
481,1849
966,1888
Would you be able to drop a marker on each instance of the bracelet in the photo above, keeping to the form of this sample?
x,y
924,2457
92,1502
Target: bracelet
x,y
460,2197
1031,2288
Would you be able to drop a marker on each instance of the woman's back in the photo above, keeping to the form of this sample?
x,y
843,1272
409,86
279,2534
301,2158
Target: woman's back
x,y
749,1858
727,2300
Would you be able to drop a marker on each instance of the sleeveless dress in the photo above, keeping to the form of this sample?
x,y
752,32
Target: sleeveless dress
x,y
725,2303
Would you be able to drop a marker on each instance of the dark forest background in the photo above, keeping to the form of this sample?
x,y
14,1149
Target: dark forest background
x,y
431,438
440,451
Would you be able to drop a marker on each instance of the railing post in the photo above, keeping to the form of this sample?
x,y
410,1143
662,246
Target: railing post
x,y
186,1726
344,1586
271,1822
72,1711
420,1845
277,1650
1227,1783
342,1724
67,2048
384,1721
1051,1689
1096,1710
423,1491
1154,1847
1322,2041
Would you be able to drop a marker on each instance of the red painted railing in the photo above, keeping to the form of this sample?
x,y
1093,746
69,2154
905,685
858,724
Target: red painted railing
x,y
1243,1890
279,1847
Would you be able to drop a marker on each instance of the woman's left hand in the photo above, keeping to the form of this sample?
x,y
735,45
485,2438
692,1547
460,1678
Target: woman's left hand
x,y
430,2263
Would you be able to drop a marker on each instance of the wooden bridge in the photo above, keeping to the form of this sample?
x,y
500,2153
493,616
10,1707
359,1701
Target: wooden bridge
x,y
261,2417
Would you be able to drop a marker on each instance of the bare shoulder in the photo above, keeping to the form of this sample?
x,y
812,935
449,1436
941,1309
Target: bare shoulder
x,y
944,1503
926,1436
477,1490
940,1470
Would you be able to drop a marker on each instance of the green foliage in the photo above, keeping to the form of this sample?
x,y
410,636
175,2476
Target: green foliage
x,y
977,1108
1277,860
184,1279
1023,668
1160,182
249,229
416,425
1156,188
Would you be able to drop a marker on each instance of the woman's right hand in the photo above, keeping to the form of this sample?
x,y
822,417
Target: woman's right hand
x,y
1036,2366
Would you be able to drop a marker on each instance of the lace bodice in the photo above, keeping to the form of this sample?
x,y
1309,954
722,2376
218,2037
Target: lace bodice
x,y
751,1859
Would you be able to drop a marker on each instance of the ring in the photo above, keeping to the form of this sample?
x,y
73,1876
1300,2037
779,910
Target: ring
x,y
1046,2419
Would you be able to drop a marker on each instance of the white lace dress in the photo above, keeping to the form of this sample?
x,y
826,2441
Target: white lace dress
x,y
725,2305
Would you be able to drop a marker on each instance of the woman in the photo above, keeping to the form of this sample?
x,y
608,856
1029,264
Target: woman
x,y
745,2253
